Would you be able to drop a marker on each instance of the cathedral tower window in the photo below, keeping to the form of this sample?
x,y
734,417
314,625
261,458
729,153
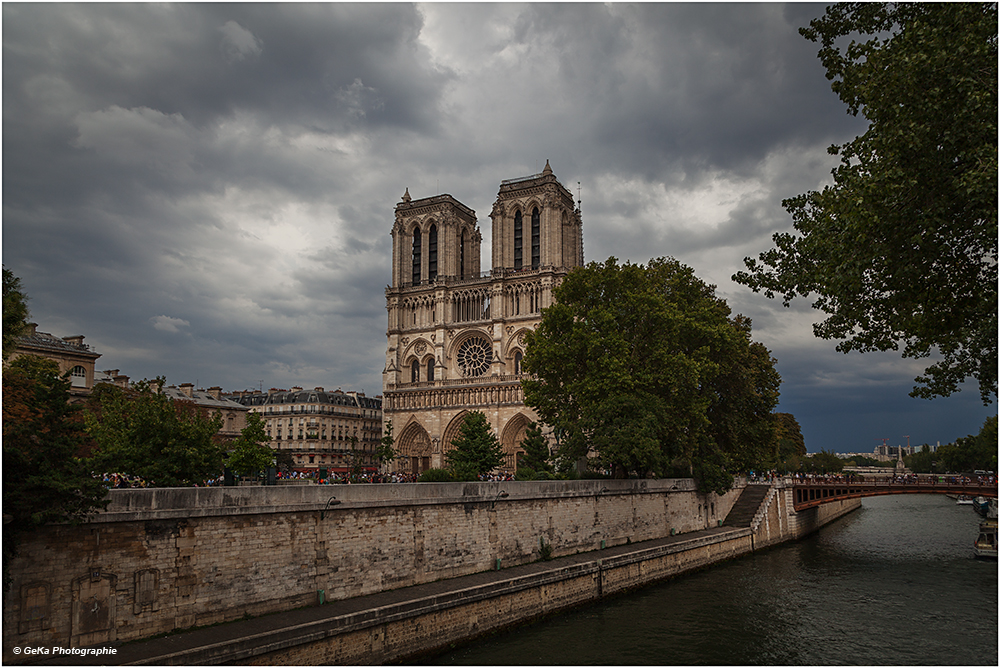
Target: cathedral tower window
x,y
517,241
415,371
416,256
432,253
430,370
461,253
517,362
535,238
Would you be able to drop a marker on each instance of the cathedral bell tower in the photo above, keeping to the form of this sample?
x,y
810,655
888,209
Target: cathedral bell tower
x,y
456,334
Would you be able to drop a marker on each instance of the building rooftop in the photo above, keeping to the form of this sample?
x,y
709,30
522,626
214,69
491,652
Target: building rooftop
x,y
44,341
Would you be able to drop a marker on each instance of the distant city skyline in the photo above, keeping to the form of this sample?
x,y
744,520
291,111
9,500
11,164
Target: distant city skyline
x,y
206,191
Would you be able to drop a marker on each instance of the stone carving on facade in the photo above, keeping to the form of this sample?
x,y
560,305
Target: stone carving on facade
x,y
420,347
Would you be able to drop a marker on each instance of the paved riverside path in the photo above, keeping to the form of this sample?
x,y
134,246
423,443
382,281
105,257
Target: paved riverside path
x,y
215,644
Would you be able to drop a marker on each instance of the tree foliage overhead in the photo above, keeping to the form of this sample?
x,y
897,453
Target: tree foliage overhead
x,y
644,367
902,248
476,450
142,432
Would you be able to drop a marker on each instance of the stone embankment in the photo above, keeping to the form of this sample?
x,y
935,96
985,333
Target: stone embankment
x,y
403,569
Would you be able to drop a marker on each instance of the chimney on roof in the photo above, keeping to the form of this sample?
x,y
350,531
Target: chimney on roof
x,y
74,340
188,389
319,389
215,392
32,329
120,380
296,389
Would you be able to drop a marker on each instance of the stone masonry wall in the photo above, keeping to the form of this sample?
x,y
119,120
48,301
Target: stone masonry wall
x,y
164,559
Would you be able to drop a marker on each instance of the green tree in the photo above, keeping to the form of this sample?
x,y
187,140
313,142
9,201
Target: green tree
x,y
861,460
46,477
15,312
973,452
384,451
823,462
358,457
536,450
902,248
249,454
923,461
476,450
644,368
790,439
142,432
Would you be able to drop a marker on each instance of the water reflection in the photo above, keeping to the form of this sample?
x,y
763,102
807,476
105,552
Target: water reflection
x,y
894,583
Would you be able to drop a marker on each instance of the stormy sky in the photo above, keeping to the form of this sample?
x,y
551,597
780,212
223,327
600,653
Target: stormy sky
x,y
206,191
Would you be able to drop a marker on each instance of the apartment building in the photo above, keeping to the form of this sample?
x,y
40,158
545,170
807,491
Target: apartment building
x,y
320,429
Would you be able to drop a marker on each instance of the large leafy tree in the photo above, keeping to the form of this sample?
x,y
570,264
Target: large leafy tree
x,y
791,443
15,312
902,248
536,450
249,453
46,477
476,450
643,367
142,432
972,452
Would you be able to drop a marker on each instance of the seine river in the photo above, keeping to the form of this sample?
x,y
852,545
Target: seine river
x,y
894,583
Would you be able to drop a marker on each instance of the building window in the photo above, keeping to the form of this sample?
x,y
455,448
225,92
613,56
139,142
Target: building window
x,y
517,362
416,256
517,240
78,376
415,371
536,238
430,369
432,253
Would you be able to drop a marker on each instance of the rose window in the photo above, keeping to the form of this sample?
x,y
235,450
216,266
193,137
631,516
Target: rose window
x,y
474,356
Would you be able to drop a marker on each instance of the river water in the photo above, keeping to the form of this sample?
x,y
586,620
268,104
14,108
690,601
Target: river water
x,y
894,583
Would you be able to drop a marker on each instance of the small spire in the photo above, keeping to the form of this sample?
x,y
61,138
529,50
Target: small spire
x,y
406,195
547,170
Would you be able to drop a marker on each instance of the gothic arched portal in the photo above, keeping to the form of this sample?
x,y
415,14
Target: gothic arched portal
x,y
513,434
414,448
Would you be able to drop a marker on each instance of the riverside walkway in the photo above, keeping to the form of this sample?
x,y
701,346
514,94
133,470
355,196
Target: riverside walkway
x,y
240,641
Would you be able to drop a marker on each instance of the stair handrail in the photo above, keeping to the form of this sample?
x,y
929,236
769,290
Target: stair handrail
x,y
765,505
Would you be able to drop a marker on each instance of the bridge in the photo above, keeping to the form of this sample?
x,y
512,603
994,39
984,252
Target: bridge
x,y
816,491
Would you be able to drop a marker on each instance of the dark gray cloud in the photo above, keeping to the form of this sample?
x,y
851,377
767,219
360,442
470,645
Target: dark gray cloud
x,y
205,191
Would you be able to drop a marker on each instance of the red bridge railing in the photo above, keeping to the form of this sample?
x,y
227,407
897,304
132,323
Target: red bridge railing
x,y
815,491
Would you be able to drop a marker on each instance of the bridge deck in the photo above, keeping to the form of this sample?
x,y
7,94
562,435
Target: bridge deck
x,y
813,492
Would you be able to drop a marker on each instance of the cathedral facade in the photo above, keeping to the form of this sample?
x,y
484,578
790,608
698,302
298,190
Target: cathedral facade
x,y
455,332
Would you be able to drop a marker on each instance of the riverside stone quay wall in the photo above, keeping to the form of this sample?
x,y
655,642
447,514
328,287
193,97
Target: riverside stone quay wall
x,y
158,560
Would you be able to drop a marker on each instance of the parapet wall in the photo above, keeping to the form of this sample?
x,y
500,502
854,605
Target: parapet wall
x,y
158,560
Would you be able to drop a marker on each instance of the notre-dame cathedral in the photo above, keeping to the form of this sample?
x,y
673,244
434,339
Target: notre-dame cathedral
x,y
456,333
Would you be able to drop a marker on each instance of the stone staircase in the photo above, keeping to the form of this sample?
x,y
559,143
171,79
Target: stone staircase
x,y
746,506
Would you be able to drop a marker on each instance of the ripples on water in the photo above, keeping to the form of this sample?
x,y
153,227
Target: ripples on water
x,y
894,583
